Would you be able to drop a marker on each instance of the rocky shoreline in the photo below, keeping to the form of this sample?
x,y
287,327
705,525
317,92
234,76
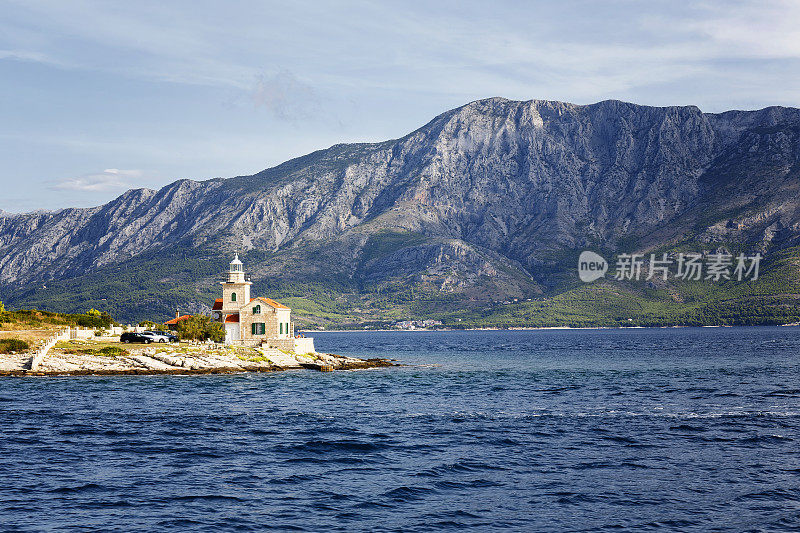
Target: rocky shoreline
x,y
177,360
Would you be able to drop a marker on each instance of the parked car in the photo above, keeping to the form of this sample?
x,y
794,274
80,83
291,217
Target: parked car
x,y
156,336
131,336
172,338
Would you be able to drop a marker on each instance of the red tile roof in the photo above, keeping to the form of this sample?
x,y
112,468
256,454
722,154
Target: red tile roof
x,y
176,320
232,318
268,301
273,303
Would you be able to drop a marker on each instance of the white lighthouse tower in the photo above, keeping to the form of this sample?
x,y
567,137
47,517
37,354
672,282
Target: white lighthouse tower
x,y
235,290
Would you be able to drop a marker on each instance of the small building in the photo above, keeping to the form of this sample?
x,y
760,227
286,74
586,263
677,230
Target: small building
x,y
173,324
255,321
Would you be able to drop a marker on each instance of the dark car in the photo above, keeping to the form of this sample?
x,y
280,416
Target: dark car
x,y
130,336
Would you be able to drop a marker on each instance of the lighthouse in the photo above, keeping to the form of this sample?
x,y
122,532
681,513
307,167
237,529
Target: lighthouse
x,y
255,321
235,290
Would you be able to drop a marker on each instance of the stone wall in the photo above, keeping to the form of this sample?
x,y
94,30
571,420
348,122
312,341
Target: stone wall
x,y
80,333
304,345
38,355
299,346
281,344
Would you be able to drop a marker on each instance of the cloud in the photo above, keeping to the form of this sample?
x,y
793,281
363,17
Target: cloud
x,y
567,50
27,55
285,96
111,179
765,30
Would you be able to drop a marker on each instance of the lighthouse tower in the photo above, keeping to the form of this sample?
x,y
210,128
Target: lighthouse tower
x,y
235,290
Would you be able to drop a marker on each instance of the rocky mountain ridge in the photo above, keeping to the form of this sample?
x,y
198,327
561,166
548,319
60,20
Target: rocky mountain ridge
x,y
492,196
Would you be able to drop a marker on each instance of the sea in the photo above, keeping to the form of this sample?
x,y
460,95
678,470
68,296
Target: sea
x,y
686,429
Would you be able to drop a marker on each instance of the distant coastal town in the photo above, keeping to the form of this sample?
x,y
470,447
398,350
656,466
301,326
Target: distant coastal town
x,y
417,324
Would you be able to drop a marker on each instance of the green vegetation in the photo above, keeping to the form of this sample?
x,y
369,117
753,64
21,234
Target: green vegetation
x,y
13,345
130,291
609,304
33,318
152,326
254,358
320,297
78,347
200,328
111,351
386,242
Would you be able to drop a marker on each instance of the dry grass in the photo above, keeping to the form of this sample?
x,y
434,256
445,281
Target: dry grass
x,y
91,347
31,336
22,326
86,344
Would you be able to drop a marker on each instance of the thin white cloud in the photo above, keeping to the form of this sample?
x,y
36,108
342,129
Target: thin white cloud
x,y
111,179
768,29
285,96
569,50
26,55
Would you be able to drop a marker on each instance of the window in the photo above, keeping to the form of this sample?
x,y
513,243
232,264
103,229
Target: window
x,y
257,310
280,327
258,328
233,296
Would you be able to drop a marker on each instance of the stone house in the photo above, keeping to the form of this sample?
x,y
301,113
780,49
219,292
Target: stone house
x,y
255,321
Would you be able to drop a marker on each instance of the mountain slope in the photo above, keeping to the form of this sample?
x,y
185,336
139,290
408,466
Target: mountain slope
x,y
486,203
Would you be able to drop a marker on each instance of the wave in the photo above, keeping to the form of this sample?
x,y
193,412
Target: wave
x,y
459,467
86,487
407,494
772,495
328,446
784,392
207,497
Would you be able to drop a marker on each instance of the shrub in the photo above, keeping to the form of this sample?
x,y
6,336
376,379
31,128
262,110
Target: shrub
x,y
111,351
13,345
200,328
94,319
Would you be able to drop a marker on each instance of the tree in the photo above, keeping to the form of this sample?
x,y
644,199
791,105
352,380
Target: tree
x,y
201,328
94,319
2,307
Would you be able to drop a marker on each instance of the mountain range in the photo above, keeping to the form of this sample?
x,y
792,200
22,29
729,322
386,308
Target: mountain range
x,y
476,219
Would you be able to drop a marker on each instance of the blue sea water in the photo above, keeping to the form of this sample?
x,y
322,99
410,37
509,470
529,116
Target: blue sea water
x,y
642,429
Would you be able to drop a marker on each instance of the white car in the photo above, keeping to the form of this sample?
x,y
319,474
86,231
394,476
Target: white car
x,y
155,336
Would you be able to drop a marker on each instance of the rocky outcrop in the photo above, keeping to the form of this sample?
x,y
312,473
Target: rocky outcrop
x,y
181,360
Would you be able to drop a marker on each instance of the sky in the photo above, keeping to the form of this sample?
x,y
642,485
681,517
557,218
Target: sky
x,y
100,97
